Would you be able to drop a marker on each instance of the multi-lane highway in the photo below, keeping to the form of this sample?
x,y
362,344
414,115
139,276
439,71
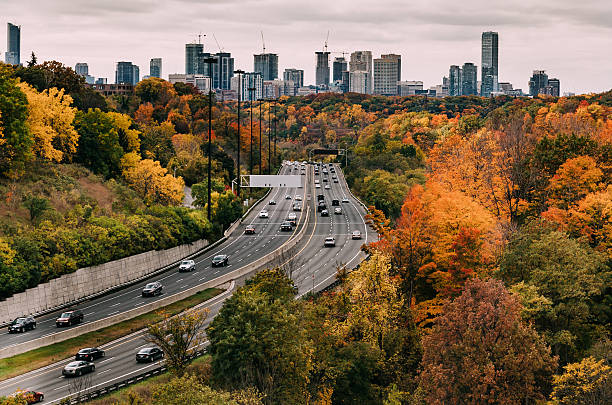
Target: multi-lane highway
x,y
310,264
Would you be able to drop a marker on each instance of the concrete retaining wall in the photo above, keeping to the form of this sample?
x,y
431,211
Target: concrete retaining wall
x,y
93,280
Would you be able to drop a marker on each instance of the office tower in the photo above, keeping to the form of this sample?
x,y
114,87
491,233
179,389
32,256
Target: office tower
x,y
155,67
13,44
362,61
249,79
192,52
469,79
489,71
340,65
223,71
359,81
345,82
81,69
409,88
387,73
553,88
538,81
294,75
267,65
127,73
322,69
454,81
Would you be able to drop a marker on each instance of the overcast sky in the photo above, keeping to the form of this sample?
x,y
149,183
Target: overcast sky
x,y
570,39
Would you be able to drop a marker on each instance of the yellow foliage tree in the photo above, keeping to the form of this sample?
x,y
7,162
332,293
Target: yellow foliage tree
x,y
573,180
153,182
587,382
129,137
50,120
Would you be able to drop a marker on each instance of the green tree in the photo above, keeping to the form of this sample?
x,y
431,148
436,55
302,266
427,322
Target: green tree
x,y
199,191
228,209
15,138
480,351
99,147
36,206
156,143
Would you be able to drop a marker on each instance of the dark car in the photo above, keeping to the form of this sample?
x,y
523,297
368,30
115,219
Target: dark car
x,y
321,206
320,197
249,230
69,318
286,226
335,203
77,368
22,324
152,289
324,213
220,260
149,355
89,354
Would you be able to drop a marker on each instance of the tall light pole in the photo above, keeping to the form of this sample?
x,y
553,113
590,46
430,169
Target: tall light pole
x,y
260,125
251,90
275,118
269,148
239,73
210,62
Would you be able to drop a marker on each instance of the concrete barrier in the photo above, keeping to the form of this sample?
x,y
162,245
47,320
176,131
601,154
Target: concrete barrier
x,y
113,319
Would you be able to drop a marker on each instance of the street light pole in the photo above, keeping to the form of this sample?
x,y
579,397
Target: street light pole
x,y
260,125
275,118
239,73
210,61
251,90
269,149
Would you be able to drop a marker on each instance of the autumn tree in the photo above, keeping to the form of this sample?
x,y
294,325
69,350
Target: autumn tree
x,y
155,90
178,336
50,118
587,382
190,390
480,351
574,179
152,181
156,143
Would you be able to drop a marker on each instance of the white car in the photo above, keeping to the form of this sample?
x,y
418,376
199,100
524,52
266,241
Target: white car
x,y
356,235
345,200
187,265
287,197
329,242
337,210
263,214
317,186
298,198
327,187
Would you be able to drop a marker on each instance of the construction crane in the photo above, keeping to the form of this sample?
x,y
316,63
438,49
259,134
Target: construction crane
x,y
326,39
200,35
219,46
263,42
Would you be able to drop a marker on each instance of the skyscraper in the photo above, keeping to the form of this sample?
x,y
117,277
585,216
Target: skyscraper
x,y
155,67
538,81
267,65
81,69
362,61
13,44
469,79
359,81
294,75
322,69
489,75
126,72
340,65
192,52
454,81
554,87
387,73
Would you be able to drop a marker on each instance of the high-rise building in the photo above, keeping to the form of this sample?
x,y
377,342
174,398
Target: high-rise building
x,y
340,65
345,82
155,67
387,73
469,79
322,70
223,71
294,75
554,87
409,88
127,73
249,79
192,53
267,65
538,81
81,69
489,67
200,82
362,61
13,44
359,81
455,81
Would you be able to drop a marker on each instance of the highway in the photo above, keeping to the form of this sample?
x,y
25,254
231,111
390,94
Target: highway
x,y
310,265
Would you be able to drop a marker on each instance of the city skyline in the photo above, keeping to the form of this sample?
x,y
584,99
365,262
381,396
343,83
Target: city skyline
x,y
442,36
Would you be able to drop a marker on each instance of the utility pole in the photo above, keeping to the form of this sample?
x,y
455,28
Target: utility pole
x,y
251,90
210,61
239,73
275,118
269,149
260,125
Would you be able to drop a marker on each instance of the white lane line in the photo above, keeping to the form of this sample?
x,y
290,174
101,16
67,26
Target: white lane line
x,y
114,305
105,371
91,313
59,388
104,361
113,313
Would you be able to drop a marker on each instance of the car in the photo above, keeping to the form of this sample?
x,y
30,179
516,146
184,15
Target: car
x,y
335,180
329,242
149,355
335,203
287,197
327,187
321,206
324,213
298,197
186,265
263,214
345,200
292,218
31,397
317,186
338,211
356,235
77,368
316,181
320,197
220,260
303,174
297,207
286,226
89,354
325,179
152,289
249,230
22,324
69,318
334,176
272,202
